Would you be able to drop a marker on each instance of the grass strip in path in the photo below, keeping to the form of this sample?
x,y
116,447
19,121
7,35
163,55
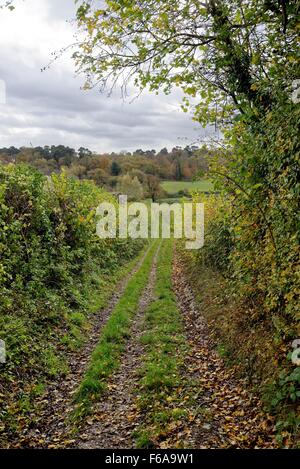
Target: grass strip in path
x,y
114,335
115,416
160,397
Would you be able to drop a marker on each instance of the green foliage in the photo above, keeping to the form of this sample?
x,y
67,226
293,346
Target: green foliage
x,y
218,236
107,170
253,238
131,187
115,169
288,387
54,365
220,52
54,270
281,398
239,62
48,235
8,4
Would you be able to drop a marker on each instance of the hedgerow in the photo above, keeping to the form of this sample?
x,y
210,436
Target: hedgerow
x,y
252,238
54,271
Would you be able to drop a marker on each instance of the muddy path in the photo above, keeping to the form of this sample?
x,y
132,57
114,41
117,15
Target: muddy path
x,y
220,411
224,414
116,416
51,428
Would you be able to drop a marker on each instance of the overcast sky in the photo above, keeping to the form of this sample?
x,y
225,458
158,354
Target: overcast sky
x,y
50,108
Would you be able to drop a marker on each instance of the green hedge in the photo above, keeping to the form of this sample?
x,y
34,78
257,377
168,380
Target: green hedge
x,y
48,234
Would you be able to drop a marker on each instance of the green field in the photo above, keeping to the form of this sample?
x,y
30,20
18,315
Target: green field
x,y
173,187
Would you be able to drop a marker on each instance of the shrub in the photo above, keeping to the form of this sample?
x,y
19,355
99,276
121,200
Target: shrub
x,y
49,256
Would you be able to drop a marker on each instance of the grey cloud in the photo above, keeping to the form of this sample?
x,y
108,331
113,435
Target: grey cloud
x,y
50,108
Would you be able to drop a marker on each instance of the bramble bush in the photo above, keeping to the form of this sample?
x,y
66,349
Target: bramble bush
x,y
218,238
48,233
48,236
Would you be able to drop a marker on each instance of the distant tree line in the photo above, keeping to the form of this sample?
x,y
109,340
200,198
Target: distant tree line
x,y
141,169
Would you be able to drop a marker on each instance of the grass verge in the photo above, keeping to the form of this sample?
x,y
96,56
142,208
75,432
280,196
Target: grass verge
x,y
96,292
105,358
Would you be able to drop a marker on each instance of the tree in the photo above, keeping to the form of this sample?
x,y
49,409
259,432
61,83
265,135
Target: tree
x,y
131,187
218,50
163,151
64,156
115,169
153,186
178,171
11,151
104,163
84,152
99,176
